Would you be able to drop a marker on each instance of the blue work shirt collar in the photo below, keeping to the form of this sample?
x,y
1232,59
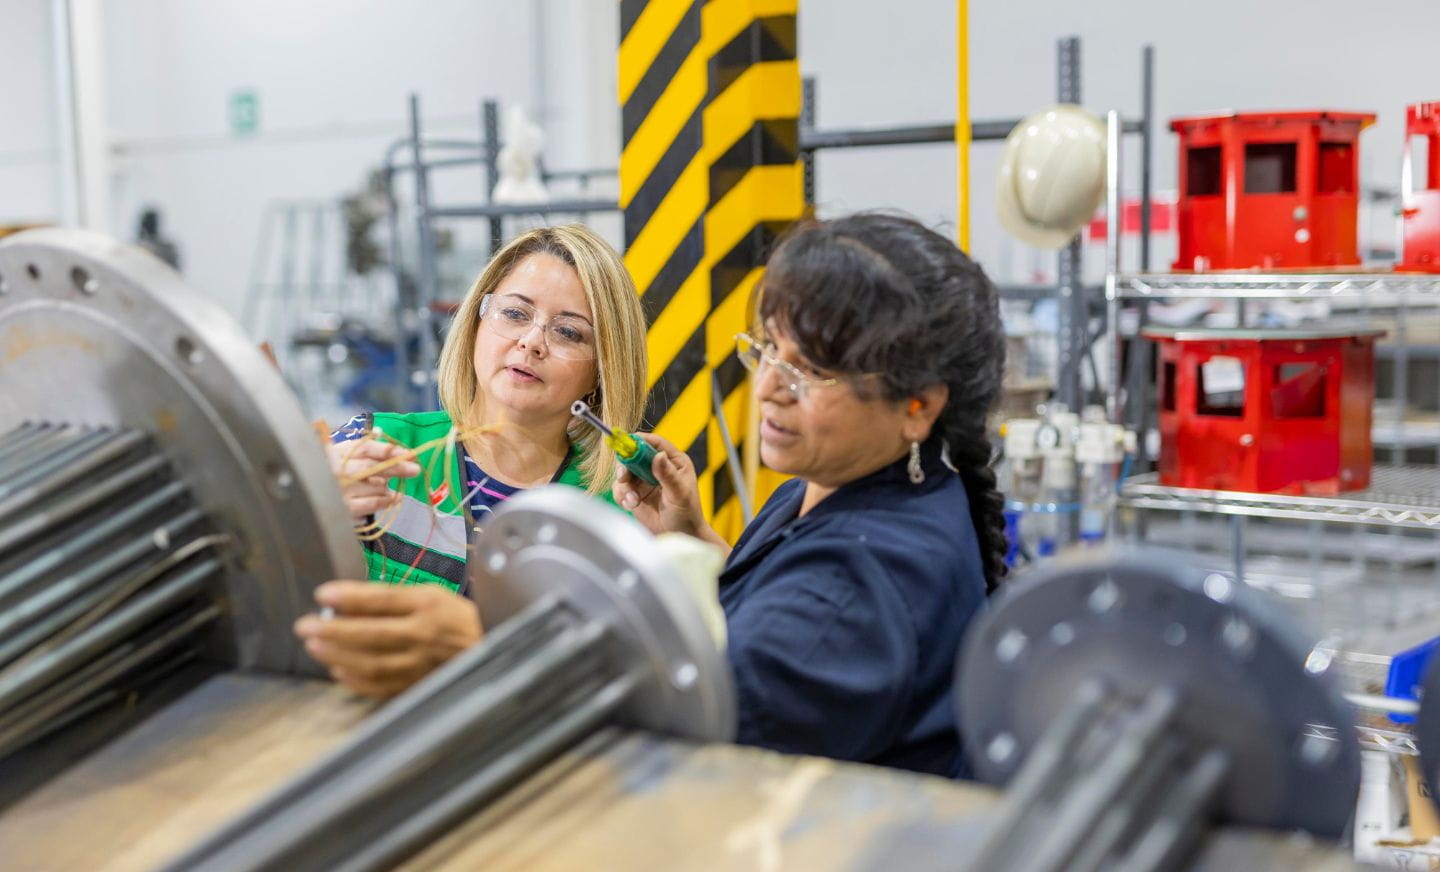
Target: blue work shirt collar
x,y
782,520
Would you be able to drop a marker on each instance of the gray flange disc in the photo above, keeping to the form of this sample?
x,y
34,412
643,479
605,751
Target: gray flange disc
x,y
557,540
98,333
1145,619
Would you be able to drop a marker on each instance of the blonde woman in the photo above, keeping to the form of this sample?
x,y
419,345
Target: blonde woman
x,y
552,319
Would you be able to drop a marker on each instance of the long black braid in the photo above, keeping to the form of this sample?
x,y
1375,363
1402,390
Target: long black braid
x,y
878,292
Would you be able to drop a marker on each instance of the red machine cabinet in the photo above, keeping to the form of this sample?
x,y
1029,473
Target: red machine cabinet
x,y
1420,192
1269,190
1285,411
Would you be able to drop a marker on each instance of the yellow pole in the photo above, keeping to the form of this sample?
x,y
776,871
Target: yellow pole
x,y
962,122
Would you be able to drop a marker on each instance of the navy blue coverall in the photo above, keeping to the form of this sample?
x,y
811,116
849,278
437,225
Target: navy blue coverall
x,y
845,623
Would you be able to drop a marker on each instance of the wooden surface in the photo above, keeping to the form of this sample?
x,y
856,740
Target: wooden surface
x,y
630,801
159,787
620,800
624,801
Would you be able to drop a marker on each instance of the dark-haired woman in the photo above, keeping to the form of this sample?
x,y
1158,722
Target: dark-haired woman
x,y
878,358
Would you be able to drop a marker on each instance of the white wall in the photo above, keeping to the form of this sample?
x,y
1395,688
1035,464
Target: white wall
x,y
899,68
29,182
333,75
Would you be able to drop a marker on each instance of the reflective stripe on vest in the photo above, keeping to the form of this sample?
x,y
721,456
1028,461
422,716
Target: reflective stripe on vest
x,y
434,530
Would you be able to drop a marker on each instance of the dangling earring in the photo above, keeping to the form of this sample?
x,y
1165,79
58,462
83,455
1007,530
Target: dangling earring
x,y
917,474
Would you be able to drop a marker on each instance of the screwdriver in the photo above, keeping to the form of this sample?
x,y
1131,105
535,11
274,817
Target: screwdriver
x,y
635,454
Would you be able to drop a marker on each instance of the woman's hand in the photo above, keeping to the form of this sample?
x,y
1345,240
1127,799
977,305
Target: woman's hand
x,y
384,638
674,506
367,496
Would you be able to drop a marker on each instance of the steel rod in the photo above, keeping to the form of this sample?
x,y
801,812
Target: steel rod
x,y
22,436
1040,779
1114,226
19,682
426,280
75,461
40,520
52,560
23,730
42,700
71,618
490,130
548,207
404,302
916,134
46,442
416,831
378,773
1088,798
1183,814
1147,142
20,621
1072,309
1119,822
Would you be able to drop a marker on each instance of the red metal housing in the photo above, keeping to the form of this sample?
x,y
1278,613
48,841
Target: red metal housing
x,y
1266,410
1269,190
1420,210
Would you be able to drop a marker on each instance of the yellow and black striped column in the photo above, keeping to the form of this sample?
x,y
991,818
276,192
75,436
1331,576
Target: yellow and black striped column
x,y
709,176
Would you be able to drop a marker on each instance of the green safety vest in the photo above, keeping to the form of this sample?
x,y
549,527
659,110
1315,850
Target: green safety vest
x,y
435,542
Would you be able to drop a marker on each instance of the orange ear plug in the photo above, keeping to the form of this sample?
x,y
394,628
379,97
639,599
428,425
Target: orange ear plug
x,y
915,405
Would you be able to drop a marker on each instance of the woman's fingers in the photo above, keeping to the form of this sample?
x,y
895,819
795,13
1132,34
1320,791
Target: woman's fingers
x,y
356,598
384,638
671,477
359,633
364,507
666,449
357,456
366,663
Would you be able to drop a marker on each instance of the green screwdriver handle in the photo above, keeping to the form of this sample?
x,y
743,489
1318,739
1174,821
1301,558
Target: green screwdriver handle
x,y
641,462
634,453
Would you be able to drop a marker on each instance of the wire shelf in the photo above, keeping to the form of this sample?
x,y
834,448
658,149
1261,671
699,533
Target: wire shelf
x,y
1370,738
1398,496
1276,285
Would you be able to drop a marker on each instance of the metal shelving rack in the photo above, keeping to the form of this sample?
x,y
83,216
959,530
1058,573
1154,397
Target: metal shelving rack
x,y
1263,286
1400,498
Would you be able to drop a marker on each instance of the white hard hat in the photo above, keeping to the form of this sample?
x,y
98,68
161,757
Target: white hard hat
x,y
1052,175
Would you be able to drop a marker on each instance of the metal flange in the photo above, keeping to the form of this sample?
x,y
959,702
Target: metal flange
x,y
99,334
1140,622
557,541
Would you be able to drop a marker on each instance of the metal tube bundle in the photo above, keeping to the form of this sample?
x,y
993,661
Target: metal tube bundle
x,y
162,499
103,561
1130,702
591,627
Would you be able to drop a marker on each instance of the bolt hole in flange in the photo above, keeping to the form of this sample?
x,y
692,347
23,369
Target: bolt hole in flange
x,y
83,281
188,351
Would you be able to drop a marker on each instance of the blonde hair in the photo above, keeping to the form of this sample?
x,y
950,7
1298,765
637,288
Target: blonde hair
x,y
619,338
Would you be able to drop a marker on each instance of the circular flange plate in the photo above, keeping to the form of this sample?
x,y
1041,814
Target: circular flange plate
x,y
558,540
1144,619
98,333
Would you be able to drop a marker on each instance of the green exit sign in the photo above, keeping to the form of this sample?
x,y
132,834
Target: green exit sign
x,y
244,112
